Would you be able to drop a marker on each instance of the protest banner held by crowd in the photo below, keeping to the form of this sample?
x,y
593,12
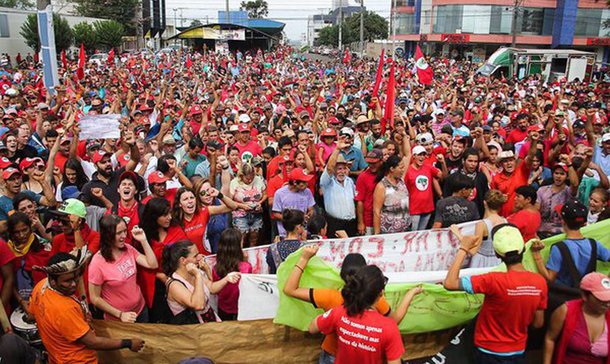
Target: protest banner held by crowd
x,y
147,190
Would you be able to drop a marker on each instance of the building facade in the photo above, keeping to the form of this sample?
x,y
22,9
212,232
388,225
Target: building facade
x,y
476,28
317,22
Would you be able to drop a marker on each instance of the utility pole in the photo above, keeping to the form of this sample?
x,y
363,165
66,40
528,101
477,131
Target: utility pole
x,y
361,28
227,10
175,23
516,10
340,24
393,29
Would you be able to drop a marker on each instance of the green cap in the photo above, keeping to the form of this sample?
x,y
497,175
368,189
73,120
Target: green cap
x,y
507,238
73,206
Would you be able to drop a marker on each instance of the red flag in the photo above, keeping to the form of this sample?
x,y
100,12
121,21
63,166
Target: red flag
x,y
379,74
388,113
424,71
80,72
347,57
64,61
111,57
189,62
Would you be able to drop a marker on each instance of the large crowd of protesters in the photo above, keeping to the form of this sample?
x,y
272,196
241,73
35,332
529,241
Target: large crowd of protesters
x,y
221,152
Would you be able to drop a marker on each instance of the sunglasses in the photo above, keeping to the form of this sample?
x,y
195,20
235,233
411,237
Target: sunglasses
x,y
204,193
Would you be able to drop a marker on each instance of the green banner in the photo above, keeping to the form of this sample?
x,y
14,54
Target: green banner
x,y
433,309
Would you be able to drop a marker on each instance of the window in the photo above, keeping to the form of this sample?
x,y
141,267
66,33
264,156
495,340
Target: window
x,y
404,23
4,32
501,19
588,22
448,18
529,21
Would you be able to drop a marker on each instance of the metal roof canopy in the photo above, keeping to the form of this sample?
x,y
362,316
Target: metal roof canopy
x,y
551,51
251,32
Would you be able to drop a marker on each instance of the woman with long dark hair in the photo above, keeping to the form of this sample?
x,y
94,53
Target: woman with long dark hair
x,y
230,258
391,197
188,286
73,175
160,231
365,336
113,284
296,234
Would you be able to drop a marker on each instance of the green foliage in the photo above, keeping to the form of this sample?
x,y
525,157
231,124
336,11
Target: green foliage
x,y
85,34
375,27
122,11
61,29
195,23
17,4
257,9
109,34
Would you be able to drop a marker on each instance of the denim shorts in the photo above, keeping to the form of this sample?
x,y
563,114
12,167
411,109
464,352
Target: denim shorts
x,y
250,222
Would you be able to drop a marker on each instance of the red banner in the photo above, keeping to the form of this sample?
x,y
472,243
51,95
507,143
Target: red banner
x,y
598,41
455,38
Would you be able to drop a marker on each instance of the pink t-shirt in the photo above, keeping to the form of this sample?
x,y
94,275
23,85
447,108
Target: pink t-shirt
x,y
229,295
327,149
118,281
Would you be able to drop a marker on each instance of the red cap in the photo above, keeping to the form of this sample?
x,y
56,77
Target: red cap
x,y
196,110
536,127
156,177
298,174
598,284
98,156
243,127
329,132
28,162
144,107
333,120
5,163
9,172
124,159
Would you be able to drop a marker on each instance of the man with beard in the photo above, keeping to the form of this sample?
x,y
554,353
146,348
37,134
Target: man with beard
x,y
470,168
75,231
107,179
376,134
339,192
157,184
365,186
514,174
295,196
520,133
454,157
63,319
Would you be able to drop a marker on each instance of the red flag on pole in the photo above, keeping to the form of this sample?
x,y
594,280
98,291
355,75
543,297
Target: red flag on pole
x,y
388,113
64,61
347,57
424,71
189,62
80,72
379,74
111,57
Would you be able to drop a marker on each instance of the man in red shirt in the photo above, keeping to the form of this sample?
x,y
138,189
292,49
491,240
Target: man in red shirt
x,y
514,174
365,186
158,188
246,145
419,180
526,217
501,337
518,134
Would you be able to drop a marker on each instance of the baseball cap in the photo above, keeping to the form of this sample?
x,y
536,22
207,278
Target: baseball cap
x,y
195,110
243,128
606,138
97,157
487,128
129,175
578,124
598,284
91,144
42,106
562,166
156,177
244,118
168,139
233,128
304,114
425,138
213,143
334,120
72,206
506,154
374,156
536,127
298,174
574,210
559,112
70,192
328,132
418,149
5,163
123,159
9,172
346,131
507,238
28,162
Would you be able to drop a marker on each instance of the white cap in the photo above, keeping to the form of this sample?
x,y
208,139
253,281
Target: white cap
x,y
244,118
605,137
347,131
425,138
418,149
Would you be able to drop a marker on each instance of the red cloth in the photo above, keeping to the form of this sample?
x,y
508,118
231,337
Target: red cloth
x,y
508,185
195,229
146,277
251,147
515,136
64,61
65,243
80,72
569,325
527,221
365,186
6,257
384,340
388,112
229,295
524,292
424,71
419,184
379,75
111,57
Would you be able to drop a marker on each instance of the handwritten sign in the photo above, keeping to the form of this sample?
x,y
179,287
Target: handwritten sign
x,y
99,126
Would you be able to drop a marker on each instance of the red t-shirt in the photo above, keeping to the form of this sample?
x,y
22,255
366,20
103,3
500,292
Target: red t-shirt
x,y
131,215
508,185
32,258
251,147
170,193
527,221
275,184
60,161
419,184
521,291
365,186
195,229
146,277
515,136
6,257
62,243
369,338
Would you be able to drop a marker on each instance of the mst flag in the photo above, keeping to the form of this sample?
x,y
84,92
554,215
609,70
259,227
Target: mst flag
x,y
379,74
424,71
388,113
347,57
80,72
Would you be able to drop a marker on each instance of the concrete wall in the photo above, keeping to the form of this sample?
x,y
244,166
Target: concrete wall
x,y
15,43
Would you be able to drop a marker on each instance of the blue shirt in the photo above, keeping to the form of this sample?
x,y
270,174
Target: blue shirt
x,y
338,197
462,131
6,203
602,159
355,155
580,250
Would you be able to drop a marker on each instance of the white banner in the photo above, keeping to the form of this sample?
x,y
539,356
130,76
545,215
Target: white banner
x,y
417,251
99,126
48,54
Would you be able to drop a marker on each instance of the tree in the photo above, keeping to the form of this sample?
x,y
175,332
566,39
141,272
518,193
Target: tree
x,y
85,34
195,23
375,27
109,33
17,4
122,11
61,29
257,9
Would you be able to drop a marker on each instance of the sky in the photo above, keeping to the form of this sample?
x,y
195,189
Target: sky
x,y
293,13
